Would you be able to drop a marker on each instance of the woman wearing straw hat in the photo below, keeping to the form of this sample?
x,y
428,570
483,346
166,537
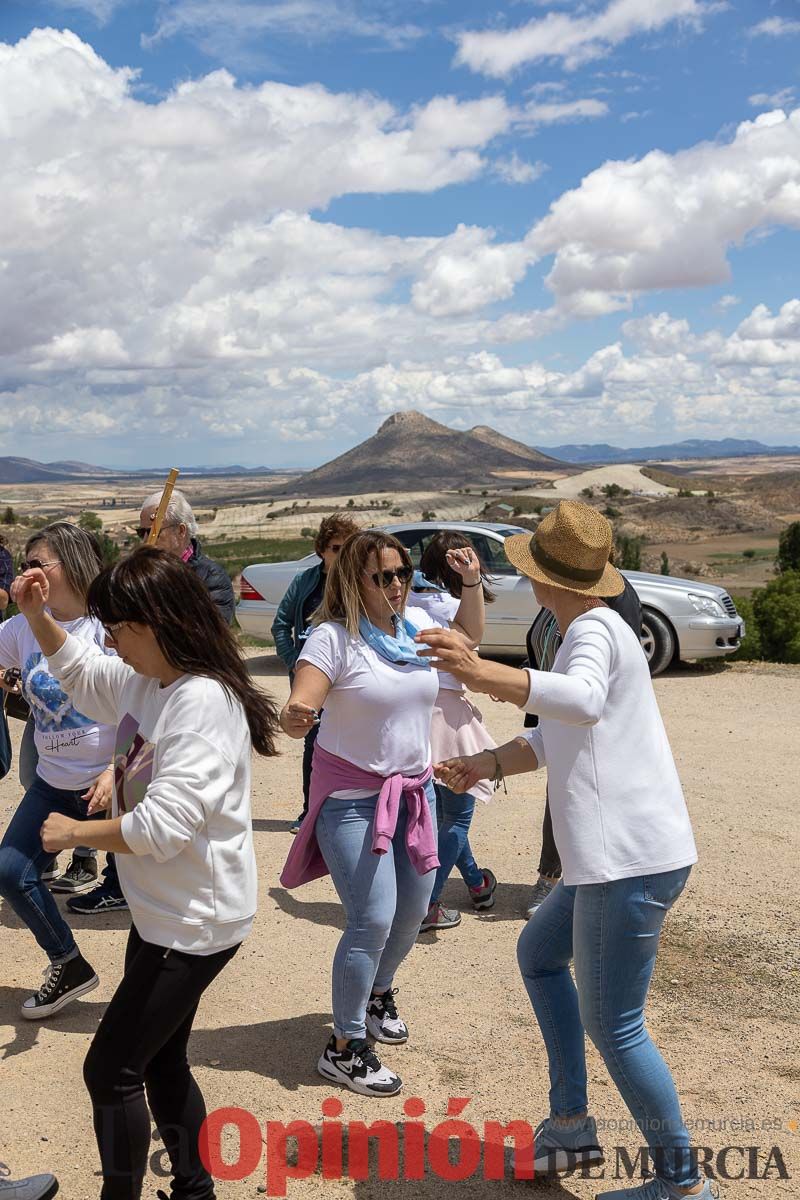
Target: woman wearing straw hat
x,y
624,837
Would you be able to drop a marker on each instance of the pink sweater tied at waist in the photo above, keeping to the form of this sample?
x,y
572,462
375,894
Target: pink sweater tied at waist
x,y
333,774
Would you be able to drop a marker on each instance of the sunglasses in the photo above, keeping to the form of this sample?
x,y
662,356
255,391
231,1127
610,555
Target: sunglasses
x,y
383,579
37,564
111,631
144,531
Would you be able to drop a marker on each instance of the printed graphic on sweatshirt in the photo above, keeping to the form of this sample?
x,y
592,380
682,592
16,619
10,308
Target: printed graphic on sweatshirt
x,y
53,711
133,764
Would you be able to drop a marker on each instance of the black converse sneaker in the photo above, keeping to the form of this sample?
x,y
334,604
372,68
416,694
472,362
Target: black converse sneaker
x,y
359,1068
382,1019
63,982
79,875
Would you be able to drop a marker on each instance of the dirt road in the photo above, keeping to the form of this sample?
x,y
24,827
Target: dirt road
x,y
723,1009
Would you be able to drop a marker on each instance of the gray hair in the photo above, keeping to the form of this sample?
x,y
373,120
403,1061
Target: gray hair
x,y
77,551
179,510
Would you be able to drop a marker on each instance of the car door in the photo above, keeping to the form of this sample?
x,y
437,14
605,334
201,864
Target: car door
x,y
509,617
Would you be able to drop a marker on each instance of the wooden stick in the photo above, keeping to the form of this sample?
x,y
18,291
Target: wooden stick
x,y
166,496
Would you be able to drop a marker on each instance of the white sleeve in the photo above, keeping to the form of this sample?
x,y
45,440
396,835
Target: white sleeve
x,y
91,678
324,649
536,742
192,780
9,644
575,693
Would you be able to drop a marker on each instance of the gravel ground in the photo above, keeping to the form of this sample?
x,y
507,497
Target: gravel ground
x,y
723,1009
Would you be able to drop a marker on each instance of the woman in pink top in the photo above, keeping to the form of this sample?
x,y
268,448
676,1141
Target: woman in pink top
x,y
372,812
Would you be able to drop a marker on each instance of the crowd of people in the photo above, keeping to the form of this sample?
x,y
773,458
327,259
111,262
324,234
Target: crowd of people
x,y
143,724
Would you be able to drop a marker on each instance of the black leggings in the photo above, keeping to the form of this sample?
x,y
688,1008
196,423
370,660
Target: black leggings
x,y
141,1044
549,862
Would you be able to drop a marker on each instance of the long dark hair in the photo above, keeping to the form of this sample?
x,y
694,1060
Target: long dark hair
x,y
151,587
435,567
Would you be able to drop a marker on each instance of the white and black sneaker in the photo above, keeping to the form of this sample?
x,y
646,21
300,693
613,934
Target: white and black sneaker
x,y
382,1019
63,982
359,1068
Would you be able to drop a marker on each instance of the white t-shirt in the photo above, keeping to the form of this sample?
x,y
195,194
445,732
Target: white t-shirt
x,y
441,609
73,749
615,797
377,714
182,787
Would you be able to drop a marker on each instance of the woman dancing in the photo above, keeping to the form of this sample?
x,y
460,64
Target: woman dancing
x,y
625,841
372,814
186,714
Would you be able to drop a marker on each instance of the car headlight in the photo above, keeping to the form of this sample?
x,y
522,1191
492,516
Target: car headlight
x,y
706,604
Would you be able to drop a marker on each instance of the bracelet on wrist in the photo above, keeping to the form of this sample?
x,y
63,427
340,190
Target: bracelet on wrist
x,y
499,777
478,584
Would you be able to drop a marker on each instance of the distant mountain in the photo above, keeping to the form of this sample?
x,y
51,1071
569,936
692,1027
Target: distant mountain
x,y
410,452
691,448
27,470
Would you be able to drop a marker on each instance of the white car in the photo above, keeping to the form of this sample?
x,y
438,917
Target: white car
x,y
681,619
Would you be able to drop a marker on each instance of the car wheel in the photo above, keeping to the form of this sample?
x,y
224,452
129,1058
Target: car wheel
x,y
658,641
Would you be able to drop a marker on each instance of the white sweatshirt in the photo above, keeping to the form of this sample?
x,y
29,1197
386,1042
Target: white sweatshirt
x,y
615,798
182,785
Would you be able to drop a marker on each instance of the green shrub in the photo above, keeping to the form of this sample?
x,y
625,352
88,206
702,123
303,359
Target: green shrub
x,y
629,553
610,511
587,493
90,521
664,563
777,612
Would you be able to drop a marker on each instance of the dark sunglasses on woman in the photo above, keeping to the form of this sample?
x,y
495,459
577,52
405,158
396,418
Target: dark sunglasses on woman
x,y
383,579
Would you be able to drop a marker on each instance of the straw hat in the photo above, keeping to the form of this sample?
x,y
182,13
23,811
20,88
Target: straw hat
x,y
569,550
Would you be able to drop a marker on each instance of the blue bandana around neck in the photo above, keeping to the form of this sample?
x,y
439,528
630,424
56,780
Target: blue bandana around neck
x,y
421,583
398,649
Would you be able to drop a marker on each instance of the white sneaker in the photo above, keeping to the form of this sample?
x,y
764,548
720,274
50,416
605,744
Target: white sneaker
x,y
383,1022
359,1068
540,893
657,1189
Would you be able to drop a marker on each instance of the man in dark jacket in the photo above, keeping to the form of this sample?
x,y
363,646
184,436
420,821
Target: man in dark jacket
x,y
291,625
178,536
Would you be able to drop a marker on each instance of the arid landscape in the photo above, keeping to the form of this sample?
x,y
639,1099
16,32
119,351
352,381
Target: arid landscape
x,y
717,519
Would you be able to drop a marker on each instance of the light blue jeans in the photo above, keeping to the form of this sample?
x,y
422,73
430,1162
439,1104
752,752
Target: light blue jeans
x,y
454,811
384,899
611,932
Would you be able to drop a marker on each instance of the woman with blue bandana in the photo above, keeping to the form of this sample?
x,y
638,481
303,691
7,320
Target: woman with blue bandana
x,y
372,812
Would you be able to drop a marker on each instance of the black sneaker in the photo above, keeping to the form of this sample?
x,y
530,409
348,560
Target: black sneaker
x,y
359,1068
63,982
482,896
34,1187
382,1019
101,899
79,875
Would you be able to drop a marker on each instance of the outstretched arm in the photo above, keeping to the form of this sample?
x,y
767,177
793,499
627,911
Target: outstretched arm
x,y
461,774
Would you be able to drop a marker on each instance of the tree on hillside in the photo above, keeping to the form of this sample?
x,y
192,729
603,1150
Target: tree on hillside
x,y
629,553
9,516
664,563
789,548
90,522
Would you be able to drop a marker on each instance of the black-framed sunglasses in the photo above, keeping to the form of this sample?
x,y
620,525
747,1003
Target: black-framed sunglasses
x,y
144,531
384,579
36,564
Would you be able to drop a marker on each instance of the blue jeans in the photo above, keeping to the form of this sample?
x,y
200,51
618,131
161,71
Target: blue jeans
x,y
384,899
28,762
611,931
22,860
454,814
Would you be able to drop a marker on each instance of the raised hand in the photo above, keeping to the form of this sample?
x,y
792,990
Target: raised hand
x,y
464,561
30,592
450,652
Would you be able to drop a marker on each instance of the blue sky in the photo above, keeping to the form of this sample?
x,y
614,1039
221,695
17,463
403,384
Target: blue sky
x,y
249,231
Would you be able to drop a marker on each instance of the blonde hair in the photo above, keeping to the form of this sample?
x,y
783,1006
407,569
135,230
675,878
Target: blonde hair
x,y
342,601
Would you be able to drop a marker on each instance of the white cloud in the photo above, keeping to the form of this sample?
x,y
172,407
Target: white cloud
x,y
235,30
557,112
772,99
668,220
515,170
636,116
774,27
727,301
101,10
575,39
